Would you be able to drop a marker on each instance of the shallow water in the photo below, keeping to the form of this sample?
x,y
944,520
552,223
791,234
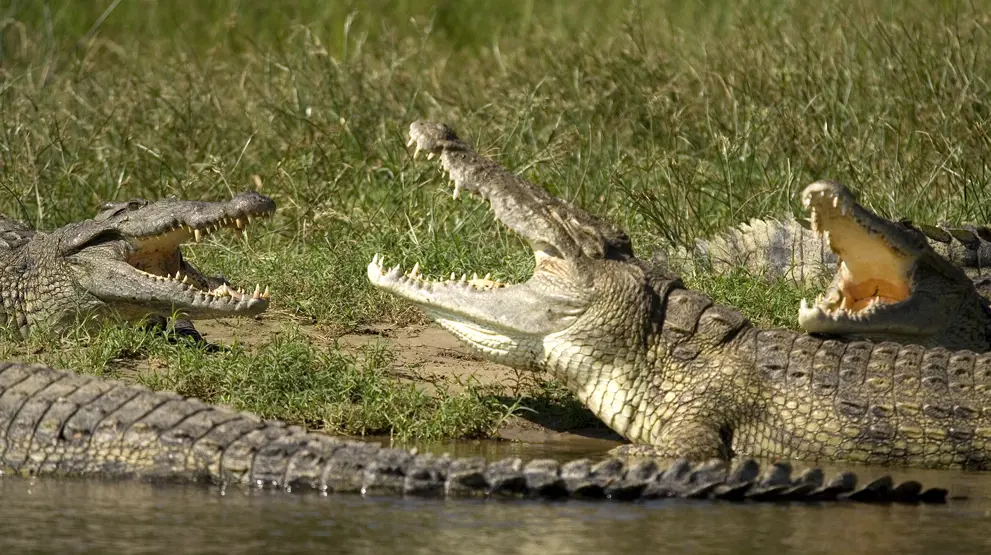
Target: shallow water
x,y
90,516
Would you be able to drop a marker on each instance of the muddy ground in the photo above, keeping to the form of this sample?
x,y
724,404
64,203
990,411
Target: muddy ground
x,y
429,357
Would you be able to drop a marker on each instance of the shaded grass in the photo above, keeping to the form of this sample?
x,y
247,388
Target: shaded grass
x,y
672,119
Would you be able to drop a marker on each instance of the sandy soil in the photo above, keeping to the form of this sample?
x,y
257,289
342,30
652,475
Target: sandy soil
x,y
429,357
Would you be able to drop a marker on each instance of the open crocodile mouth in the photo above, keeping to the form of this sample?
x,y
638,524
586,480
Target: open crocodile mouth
x,y
872,273
485,312
157,258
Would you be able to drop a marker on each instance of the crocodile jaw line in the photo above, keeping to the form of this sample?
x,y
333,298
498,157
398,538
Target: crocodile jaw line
x,y
497,319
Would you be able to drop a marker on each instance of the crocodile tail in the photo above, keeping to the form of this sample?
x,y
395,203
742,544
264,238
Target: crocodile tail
x,y
771,248
61,423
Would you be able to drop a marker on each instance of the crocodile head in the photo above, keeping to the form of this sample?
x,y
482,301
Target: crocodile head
x,y
128,260
889,283
584,278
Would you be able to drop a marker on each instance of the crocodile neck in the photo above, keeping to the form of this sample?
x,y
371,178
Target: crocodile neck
x,y
642,386
34,283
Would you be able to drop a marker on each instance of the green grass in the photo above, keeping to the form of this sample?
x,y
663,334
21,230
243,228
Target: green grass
x,y
672,119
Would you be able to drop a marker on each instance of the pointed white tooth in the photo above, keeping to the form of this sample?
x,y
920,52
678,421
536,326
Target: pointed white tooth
x,y
416,151
836,201
185,279
257,293
430,155
453,276
197,235
805,304
488,276
396,269
375,259
415,272
265,293
464,277
456,190
238,223
474,275
410,142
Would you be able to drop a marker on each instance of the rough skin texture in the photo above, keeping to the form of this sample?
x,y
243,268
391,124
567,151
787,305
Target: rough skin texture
x,y
64,424
678,374
126,260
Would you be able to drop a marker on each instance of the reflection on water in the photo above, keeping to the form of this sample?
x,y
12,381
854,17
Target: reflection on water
x,y
88,516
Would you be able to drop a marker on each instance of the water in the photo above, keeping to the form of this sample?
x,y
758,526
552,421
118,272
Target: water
x,y
91,516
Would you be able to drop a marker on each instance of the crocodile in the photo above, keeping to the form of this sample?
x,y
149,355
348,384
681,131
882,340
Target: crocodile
x,y
125,261
60,423
675,373
890,282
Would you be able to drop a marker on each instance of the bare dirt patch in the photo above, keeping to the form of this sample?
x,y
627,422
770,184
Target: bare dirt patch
x,y
431,358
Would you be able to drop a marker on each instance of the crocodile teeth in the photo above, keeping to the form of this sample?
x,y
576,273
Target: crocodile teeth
x,y
221,291
410,142
415,272
430,155
238,223
197,235
836,201
805,304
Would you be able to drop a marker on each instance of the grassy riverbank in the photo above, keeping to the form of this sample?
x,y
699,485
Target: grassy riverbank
x,y
671,119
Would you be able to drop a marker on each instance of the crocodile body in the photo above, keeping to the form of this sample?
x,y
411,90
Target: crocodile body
x,y
58,423
126,261
678,374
